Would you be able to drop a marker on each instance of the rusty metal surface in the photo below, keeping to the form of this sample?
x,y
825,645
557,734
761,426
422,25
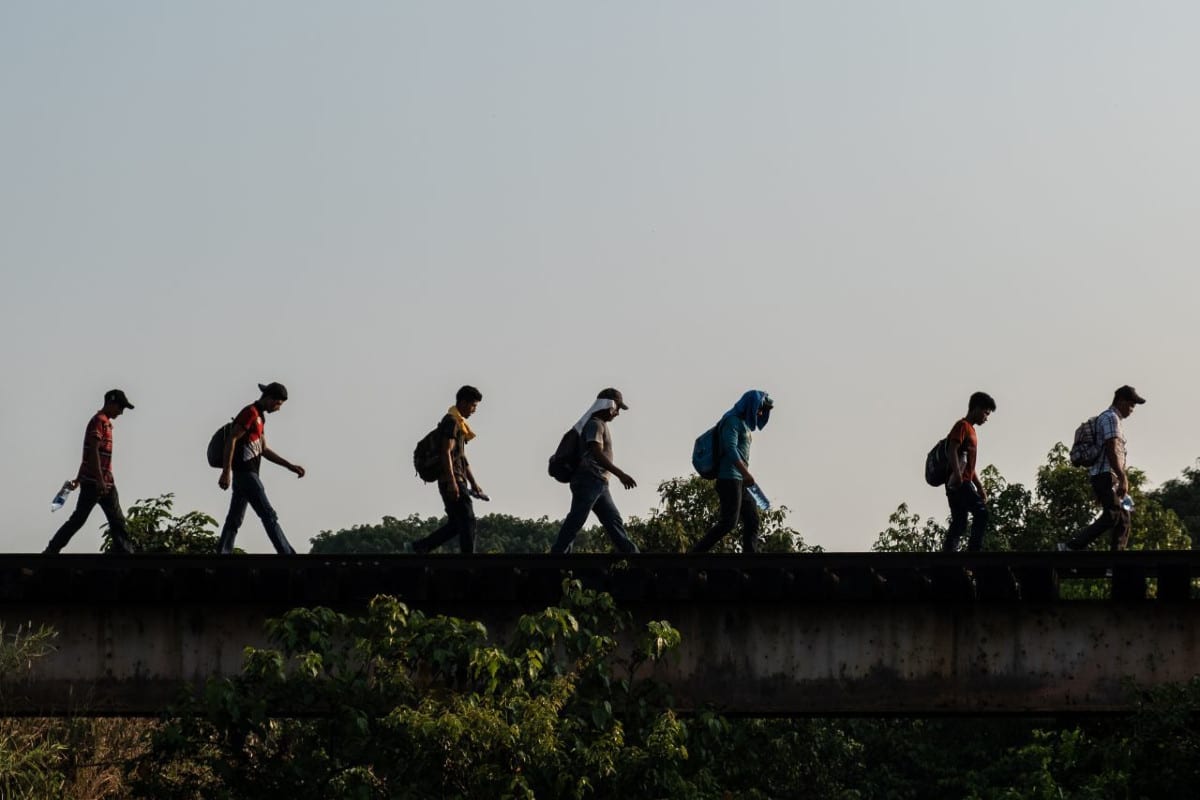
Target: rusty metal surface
x,y
823,634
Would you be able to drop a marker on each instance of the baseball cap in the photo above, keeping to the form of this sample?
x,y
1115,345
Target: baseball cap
x,y
274,389
615,396
1129,393
118,397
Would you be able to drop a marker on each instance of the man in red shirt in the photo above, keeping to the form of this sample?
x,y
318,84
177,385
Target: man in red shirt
x,y
244,452
95,479
964,490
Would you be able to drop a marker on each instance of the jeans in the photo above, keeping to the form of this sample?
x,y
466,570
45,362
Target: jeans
x,y
588,494
460,522
248,489
89,498
735,502
964,499
1112,519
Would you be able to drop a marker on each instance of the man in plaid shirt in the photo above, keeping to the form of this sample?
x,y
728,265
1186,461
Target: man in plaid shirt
x,y
1110,482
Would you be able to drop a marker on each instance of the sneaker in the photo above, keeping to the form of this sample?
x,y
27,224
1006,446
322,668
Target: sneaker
x,y
1063,547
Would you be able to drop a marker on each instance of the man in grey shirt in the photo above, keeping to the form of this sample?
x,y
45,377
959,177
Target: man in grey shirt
x,y
589,484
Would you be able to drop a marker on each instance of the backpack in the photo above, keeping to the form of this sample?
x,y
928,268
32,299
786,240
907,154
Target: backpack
x,y
706,452
566,458
216,445
1085,450
937,464
427,456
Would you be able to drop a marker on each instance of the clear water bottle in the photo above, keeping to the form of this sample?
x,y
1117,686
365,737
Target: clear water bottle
x,y
760,499
60,499
1127,503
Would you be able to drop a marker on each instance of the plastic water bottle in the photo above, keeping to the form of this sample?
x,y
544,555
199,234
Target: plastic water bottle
x,y
1127,503
760,499
60,499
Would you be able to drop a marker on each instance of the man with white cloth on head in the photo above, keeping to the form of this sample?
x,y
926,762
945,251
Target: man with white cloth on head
x,y
589,484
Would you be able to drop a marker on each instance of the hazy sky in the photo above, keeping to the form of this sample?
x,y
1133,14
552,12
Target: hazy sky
x,y
868,209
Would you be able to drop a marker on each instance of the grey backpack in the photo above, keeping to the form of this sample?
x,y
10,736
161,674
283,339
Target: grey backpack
x,y
1086,447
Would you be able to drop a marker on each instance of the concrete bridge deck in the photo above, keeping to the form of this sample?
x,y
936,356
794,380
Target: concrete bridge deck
x,y
811,634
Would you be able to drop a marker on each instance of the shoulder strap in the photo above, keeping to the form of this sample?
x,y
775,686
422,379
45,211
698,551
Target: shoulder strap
x,y
717,440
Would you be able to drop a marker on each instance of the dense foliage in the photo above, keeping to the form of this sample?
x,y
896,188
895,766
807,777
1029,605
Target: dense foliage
x,y
155,528
495,533
396,704
414,706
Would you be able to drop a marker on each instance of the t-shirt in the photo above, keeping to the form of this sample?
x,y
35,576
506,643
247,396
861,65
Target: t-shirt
x,y
1108,426
97,433
965,443
734,438
248,455
448,429
595,430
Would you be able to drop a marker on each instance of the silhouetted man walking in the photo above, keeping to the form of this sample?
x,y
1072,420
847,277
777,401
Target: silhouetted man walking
x,y
589,484
456,482
1110,481
95,479
244,452
964,490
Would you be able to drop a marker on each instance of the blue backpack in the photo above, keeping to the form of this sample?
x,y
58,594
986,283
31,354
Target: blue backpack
x,y
706,452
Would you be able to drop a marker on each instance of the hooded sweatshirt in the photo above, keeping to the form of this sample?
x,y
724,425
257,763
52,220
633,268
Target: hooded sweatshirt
x,y
735,432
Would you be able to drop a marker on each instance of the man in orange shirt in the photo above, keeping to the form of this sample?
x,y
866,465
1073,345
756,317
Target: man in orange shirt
x,y
964,491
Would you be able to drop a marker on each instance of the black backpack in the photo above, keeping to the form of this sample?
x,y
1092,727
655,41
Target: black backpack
x,y
427,456
216,445
937,464
566,458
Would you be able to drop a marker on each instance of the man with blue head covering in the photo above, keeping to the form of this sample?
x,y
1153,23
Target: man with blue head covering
x,y
750,413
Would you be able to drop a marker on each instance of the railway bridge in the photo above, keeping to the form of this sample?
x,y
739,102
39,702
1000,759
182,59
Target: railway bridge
x,y
824,634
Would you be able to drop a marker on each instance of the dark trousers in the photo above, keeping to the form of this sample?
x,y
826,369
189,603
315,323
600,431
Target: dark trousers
x,y
89,498
248,490
460,522
588,494
963,500
735,502
1113,519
